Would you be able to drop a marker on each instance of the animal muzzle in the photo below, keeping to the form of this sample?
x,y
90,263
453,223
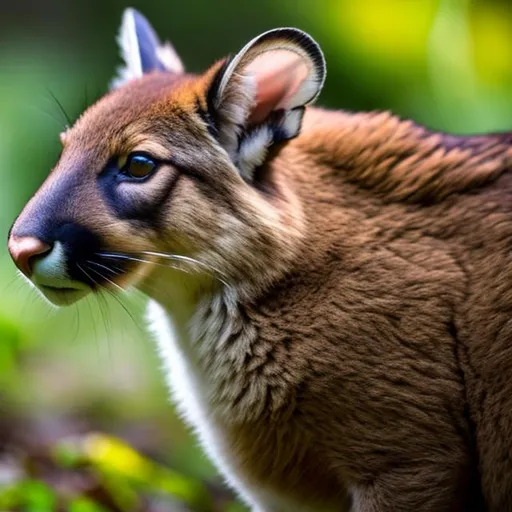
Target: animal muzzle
x,y
53,256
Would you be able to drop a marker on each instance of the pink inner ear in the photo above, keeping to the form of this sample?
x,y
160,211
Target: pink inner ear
x,y
279,76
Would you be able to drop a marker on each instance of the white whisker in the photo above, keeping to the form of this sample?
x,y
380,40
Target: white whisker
x,y
104,276
187,259
131,258
192,262
176,257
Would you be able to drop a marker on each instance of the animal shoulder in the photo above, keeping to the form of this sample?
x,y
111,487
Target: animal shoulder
x,y
399,159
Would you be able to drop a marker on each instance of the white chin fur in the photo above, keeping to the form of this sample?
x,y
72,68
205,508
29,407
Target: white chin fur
x,y
50,277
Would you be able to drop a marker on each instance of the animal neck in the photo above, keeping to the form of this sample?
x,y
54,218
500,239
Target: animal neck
x,y
178,292
204,333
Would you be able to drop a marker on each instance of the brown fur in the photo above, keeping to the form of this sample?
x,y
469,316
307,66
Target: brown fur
x,y
374,274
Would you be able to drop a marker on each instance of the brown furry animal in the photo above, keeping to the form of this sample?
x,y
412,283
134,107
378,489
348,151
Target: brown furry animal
x,y
331,292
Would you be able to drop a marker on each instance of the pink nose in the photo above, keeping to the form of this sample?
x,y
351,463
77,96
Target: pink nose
x,y
23,249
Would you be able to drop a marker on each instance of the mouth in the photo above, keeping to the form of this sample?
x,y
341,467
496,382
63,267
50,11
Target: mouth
x,y
63,296
61,291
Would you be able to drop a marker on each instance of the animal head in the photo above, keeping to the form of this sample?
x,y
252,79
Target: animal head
x,y
171,167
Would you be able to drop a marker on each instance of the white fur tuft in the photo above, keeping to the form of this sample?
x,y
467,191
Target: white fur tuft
x,y
169,58
253,150
130,52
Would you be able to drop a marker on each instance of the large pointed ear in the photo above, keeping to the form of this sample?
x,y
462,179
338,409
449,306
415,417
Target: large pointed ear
x,y
258,97
142,50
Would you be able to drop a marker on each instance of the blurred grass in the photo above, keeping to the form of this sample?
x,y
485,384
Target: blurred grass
x,y
445,63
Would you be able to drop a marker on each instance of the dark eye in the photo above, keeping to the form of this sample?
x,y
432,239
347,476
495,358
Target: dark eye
x,y
138,166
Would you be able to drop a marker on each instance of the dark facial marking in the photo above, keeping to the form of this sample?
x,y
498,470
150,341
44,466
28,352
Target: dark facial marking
x,y
145,211
45,217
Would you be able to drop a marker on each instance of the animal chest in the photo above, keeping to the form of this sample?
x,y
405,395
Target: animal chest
x,y
256,456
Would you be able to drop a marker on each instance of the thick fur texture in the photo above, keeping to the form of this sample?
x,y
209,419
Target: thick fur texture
x,y
365,371
343,339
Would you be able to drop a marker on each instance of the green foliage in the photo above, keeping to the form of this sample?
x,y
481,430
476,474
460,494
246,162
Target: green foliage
x,y
30,495
122,469
103,466
85,505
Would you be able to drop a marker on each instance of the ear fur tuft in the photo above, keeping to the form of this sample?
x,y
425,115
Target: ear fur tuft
x,y
141,50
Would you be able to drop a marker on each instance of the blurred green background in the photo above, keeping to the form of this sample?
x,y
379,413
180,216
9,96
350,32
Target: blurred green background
x,y
447,64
